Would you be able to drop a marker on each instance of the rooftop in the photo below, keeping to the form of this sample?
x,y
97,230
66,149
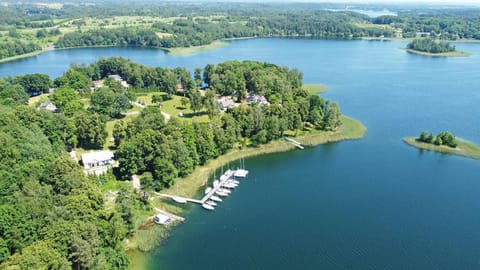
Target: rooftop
x,y
94,157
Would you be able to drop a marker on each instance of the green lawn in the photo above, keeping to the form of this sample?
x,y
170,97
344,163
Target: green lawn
x,y
464,148
173,107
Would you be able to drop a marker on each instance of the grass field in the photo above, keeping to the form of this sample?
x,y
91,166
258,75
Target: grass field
x,y
464,148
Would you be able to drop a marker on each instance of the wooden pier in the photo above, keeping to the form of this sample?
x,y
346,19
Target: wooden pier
x,y
224,178
295,143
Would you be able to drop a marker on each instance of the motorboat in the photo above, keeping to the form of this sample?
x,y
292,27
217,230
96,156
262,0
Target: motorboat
x,y
215,183
207,206
224,190
223,194
207,190
229,185
212,203
215,198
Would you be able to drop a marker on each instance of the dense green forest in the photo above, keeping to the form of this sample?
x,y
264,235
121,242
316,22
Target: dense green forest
x,y
54,217
27,27
430,45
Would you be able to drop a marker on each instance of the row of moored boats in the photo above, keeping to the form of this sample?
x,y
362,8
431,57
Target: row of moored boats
x,y
222,189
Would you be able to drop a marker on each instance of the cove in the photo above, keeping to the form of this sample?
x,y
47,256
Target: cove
x,y
369,204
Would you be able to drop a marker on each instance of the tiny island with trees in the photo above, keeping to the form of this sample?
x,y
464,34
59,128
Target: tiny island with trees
x,y
433,47
444,142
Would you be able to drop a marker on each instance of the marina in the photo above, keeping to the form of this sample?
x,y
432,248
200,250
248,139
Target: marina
x,y
221,187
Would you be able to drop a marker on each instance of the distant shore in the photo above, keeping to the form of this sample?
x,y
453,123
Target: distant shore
x,y
464,148
447,54
192,185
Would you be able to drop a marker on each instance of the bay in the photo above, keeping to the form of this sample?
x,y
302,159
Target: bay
x,y
369,204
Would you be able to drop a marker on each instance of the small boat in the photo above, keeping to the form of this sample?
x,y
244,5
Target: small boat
x,y
215,198
179,199
235,181
223,194
212,203
224,190
229,185
207,206
215,183
207,190
232,183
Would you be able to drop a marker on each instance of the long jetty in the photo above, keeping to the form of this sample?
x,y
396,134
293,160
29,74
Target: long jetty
x,y
295,143
224,178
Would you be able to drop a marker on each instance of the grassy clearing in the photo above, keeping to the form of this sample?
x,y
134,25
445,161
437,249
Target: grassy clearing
x,y
173,106
191,185
447,54
187,51
34,101
464,148
315,88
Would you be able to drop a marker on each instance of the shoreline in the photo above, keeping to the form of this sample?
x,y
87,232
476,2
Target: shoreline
x,y
221,43
191,186
447,54
464,149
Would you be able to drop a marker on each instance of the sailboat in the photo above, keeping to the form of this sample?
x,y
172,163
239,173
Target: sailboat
x,y
207,206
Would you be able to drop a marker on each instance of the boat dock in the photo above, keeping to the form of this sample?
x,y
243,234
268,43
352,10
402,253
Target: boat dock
x,y
295,143
223,179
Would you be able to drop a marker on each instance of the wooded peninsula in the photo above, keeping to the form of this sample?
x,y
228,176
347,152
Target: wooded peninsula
x,y
55,216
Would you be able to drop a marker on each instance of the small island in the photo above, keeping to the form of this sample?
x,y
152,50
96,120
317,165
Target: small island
x,y
444,142
432,47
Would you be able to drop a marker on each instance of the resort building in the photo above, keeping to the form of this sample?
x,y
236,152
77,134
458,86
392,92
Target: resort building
x,y
97,162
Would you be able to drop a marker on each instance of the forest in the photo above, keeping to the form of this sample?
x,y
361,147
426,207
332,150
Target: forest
x,y
53,216
27,27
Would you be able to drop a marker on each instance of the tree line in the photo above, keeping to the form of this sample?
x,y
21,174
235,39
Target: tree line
x,y
442,138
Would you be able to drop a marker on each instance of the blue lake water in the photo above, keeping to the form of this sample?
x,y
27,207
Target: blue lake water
x,y
375,203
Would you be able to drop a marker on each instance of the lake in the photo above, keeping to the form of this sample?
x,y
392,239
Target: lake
x,y
375,203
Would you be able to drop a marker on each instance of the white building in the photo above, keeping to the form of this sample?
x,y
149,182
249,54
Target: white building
x,y
48,105
97,162
257,99
225,103
120,80
162,219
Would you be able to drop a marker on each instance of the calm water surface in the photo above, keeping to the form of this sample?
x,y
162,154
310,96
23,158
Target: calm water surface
x,y
369,204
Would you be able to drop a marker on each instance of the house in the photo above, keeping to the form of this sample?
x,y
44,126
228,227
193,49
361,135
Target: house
x,y
257,99
96,85
119,79
97,162
162,219
225,103
48,105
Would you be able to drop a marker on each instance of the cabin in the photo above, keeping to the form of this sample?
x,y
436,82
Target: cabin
x,y
48,105
162,219
225,103
97,162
